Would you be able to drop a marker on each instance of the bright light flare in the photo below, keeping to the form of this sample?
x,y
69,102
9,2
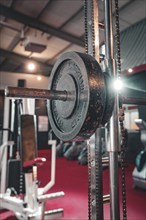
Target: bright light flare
x,y
118,84
31,67
130,70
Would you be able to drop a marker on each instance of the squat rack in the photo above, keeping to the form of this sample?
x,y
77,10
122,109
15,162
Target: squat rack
x,y
97,200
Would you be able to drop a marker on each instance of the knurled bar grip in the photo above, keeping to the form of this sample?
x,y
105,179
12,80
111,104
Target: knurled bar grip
x,y
36,93
57,95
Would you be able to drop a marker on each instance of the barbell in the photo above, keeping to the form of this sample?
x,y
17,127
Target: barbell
x,y
79,99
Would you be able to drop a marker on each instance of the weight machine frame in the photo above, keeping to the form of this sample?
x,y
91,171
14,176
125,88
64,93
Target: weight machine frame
x,y
96,203
113,137
32,206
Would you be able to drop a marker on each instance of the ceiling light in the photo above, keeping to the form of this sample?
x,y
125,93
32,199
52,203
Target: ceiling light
x,y
31,66
39,78
130,70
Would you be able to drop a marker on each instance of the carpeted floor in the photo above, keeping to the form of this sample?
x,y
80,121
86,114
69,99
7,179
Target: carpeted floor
x,y
72,178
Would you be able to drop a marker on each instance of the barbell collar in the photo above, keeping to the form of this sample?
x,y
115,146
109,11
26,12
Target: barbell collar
x,y
37,93
106,199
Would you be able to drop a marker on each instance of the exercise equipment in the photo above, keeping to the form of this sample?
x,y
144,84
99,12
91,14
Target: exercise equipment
x,y
62,147
83,111
30,203
81,101
139,173
83,157
32,206
74,150
78,96
59,149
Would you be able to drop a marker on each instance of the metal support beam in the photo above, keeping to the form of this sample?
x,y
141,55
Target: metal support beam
x,y
32,22
133,100
95,189
114,125
43,68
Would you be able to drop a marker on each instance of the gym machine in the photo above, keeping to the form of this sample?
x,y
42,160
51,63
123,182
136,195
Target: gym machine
x,y
81,100
139,173
21,195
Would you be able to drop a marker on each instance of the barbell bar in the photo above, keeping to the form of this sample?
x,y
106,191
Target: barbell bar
x,y
20,92
133,100
58,95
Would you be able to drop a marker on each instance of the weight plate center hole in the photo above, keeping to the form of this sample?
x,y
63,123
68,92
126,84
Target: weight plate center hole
x,y
66,108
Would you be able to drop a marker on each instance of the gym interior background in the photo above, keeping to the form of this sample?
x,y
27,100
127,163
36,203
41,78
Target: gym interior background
x,y
39,33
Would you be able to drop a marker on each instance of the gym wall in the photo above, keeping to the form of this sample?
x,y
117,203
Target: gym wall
x,y
11,79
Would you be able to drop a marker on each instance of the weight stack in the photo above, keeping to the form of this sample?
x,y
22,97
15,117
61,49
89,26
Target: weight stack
x,y
15,179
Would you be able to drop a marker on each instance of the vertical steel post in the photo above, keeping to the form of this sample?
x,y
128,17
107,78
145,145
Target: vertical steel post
x,y
94,149
114,124
3,168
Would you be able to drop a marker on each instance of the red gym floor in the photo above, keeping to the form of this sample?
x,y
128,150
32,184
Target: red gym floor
x,y
72,178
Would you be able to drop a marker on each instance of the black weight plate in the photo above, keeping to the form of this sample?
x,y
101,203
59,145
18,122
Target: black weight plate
x,y
78,117
110,98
